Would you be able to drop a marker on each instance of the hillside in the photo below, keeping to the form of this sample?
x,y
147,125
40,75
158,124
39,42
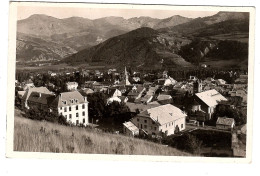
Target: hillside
x,y
37,136
76,33
218,23
143,46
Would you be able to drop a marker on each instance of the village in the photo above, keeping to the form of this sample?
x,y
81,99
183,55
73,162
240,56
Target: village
x,y
136,104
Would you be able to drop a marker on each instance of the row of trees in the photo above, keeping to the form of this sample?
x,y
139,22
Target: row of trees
x,y
36,114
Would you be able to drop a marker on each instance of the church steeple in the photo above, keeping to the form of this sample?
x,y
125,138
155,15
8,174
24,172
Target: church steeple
x,y
126,78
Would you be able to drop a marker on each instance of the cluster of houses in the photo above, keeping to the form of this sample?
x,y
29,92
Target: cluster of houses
x,y
155,106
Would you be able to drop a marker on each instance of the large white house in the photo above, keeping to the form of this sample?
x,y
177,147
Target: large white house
x,y
73,106
166,119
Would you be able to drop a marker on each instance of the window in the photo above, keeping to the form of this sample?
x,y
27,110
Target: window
x,y
77,122
72,101
60,108
66,116
69,108
70,116
154,128
83,120
145,126
77,114
77,107
83,113
153,122
137,120
65,109
76,100
181,125
145,121
83,106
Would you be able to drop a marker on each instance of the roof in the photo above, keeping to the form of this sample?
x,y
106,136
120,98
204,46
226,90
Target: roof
x,y
68,99
41,98
225,121
141,107
129,125
164,97
72,83
211,97
35,89
163,114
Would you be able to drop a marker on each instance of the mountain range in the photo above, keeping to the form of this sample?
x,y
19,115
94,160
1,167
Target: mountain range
x,y
72,34
136,41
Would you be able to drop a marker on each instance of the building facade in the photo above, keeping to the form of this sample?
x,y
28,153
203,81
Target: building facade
x,y
166,119
73,106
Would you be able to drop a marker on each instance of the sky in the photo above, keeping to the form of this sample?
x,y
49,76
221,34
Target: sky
x,y
94,13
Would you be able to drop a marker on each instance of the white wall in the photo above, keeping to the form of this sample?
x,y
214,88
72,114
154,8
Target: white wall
x,y
73,113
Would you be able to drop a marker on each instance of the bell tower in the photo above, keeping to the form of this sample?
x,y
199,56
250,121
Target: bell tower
x,y
197,86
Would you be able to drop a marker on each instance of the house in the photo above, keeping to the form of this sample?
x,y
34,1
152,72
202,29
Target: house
x,y
112,99
164,99
73,106
72,86
113,92
243,79
225,123
220,82
28,84
166,119
28,92
169,81
239,93
89,84
146,99
130,129
38,100
133,107
136,79
209,100
88,91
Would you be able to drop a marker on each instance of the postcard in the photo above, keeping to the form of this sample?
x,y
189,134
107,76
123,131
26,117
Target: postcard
x,y
130,82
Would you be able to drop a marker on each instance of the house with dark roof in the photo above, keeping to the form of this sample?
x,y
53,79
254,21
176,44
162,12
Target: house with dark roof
x,y
26,95
38,100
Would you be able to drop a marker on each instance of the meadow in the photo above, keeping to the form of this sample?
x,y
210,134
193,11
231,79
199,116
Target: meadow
x,y
42,136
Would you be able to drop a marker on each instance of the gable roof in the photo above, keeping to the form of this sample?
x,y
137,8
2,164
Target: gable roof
x,y
129,125
211,97
164,97
163,114
41,98
65,99
141,107
225,121
35,89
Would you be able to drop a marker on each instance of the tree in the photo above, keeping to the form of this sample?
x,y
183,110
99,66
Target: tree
x,y
224,110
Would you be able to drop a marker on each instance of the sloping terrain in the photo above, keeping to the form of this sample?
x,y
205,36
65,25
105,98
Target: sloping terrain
x,y
39,136
75,33
143,46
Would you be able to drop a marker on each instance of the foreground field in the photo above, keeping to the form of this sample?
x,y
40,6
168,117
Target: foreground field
x,y
37,136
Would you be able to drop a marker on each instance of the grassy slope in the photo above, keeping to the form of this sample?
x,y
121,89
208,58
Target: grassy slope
x,y
28,137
